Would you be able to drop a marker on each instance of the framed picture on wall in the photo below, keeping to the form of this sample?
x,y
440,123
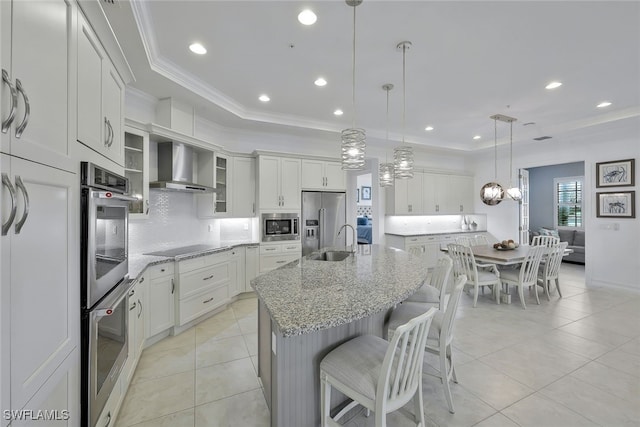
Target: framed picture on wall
x,y
618,173
616,204
366,193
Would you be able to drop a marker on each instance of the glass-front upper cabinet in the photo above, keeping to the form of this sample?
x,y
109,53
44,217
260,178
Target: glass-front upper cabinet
x,y
136,167
221,185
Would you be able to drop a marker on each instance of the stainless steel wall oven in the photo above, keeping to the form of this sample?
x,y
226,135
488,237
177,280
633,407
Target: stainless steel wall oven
x,y
104,285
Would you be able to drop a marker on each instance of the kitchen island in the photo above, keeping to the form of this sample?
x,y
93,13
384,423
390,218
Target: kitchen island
x,y
308,307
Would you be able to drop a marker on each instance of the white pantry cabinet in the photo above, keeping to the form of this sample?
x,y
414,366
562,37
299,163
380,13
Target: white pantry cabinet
x,y
323,175
100,92
35,65
160,298
279,183
40,310
243,192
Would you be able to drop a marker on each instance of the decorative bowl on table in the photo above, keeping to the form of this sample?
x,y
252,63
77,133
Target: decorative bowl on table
x,y
505,245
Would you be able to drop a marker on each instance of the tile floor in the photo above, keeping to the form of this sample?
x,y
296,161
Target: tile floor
x,y
573,361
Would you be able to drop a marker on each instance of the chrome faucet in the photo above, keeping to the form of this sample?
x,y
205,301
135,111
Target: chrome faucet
x,y
353,242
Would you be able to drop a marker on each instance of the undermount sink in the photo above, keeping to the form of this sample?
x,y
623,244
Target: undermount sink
x,y
330,256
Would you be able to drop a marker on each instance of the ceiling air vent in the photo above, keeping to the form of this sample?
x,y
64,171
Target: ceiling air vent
x,y
542,138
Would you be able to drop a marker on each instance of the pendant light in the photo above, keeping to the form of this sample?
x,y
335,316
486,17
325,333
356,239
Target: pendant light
x,y
386,170
353,139
492,193
514,193
403,155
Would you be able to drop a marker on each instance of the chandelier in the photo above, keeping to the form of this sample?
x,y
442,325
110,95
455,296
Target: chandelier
x,y
492,193
353,139
403,155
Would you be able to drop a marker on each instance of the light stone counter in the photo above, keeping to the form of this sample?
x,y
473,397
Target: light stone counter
x,y
307,295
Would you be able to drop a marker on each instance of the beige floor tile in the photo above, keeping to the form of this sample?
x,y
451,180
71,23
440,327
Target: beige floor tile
x,y
222,350
254,362
184,339
225,380
184,418
522,368
155,398
632,347
592,403
217,327
537,410
163,363
610,380
490,385
622,361
243,410
497,420
252,343
244,307
586,329
249,324
576,344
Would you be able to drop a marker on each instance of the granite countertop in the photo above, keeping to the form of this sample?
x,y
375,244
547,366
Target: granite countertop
x,y
138,262
307,295
435,233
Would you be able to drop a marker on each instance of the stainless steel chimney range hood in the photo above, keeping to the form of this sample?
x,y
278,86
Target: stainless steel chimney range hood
x,y
175,169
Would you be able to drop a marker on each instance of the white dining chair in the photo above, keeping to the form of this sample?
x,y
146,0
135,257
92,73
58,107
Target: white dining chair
x,y
440,334
434,291
382,376
550,270
465,240
527,274
478,274
480,240
547,241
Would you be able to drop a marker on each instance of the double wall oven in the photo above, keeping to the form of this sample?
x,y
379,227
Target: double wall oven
x,y
104,285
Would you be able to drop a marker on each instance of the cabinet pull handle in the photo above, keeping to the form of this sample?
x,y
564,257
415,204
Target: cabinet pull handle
x,y
147,201
270,249
208,300
414,240
14,102
106,127
162,270
141,280
27,109
253,207
25,194
140,306
173,286
280,262
208,277
111,133
133,306
12,193
291,247
132,292
108,419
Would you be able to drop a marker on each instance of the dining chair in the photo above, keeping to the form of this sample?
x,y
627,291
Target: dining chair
x,y
464,263
547,241
434,291
382,376
465,240
440,334
527,274
550,270
480,240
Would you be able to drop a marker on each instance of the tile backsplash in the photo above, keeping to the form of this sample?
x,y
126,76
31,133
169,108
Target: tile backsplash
x,y
432,223
173,222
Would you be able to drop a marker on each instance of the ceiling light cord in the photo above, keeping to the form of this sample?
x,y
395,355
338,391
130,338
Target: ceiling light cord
x,y
404,88
495,150
353,69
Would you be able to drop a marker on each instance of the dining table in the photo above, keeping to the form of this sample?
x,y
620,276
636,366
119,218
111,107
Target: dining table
x,y
488,254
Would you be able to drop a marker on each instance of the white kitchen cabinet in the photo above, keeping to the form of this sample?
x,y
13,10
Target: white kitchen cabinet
x,y
406,196
136,330
100,93
35,65
136,169
279,183
243,193
237,271
435,193
40,310
214,170
251,266
323,175
160,299
461,193
274,255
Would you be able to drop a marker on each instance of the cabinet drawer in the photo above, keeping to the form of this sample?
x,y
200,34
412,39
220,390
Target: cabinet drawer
x,y
270,249
196,281
199,304
160,270
271,262
292,247
203,261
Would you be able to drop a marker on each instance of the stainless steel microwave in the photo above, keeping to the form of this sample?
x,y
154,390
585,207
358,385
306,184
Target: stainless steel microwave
x,y
280,226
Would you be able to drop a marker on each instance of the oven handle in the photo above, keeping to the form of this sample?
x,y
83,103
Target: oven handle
x,y
109,304
112,196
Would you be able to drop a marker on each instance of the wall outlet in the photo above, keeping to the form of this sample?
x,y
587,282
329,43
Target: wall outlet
x,y
245,226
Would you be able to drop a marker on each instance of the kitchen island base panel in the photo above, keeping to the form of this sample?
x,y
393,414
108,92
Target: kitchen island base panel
x,y
291,374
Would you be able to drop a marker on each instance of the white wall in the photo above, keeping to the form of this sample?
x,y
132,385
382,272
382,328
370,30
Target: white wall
x,y
612,256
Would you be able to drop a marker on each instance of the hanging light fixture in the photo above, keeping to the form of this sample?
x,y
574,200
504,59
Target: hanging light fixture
x,y
353,139
386,170
514,193
492,193
403,155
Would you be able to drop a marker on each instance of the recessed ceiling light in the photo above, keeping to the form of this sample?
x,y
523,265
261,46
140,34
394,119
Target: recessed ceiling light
x,y
307,17
429,128
553,85
320,82
477,137
603,104
197,48
338,112
264,98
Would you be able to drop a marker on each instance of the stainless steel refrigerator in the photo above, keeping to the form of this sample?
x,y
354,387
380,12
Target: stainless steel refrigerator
x,y
323,213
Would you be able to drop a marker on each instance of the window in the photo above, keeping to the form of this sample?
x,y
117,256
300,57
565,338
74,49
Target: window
x,y
568,202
